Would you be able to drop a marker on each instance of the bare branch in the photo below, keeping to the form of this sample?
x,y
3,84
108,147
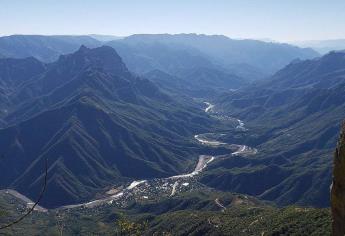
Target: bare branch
x,y
36,203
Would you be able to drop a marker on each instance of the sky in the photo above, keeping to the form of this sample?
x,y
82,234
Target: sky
x,y
280,20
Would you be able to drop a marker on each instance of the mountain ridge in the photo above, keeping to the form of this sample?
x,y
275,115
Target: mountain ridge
x,y
94,124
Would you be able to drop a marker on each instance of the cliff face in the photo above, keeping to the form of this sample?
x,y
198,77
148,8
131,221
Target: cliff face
x,y
338,187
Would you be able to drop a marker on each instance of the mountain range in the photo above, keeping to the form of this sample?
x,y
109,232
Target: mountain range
x,y
230,51
250,59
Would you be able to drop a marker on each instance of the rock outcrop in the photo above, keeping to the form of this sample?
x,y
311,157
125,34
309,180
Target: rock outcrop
x,y
338,187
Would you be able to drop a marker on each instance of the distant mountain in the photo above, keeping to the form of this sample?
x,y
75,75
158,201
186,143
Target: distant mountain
x,y
293,121
222,51
143,57
44,48
96,123
104,38
323,46
249,59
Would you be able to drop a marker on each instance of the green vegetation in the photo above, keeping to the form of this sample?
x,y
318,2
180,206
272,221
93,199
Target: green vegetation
x,y
126,227
2,213
246,221
187,214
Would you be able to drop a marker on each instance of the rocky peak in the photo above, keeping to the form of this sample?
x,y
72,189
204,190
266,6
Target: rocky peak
x,y
104,58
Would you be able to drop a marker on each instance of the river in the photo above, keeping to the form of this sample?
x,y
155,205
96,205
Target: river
x,y
171,183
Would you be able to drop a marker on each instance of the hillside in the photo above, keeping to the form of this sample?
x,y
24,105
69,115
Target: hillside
x,y
293,120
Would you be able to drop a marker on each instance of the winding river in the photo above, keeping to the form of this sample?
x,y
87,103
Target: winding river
x,y
202,163
174,181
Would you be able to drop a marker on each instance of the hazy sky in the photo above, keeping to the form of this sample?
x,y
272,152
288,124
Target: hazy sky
x,y
283,20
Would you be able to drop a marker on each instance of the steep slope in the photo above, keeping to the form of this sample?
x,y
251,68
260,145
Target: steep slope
x,y
44,48
17,71
98,126
293,120
338,187
14,73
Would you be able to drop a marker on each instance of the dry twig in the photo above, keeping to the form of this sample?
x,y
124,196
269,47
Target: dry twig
x,y
36,203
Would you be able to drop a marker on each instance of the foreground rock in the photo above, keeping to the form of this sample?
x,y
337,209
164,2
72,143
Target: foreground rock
x,y
338,187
